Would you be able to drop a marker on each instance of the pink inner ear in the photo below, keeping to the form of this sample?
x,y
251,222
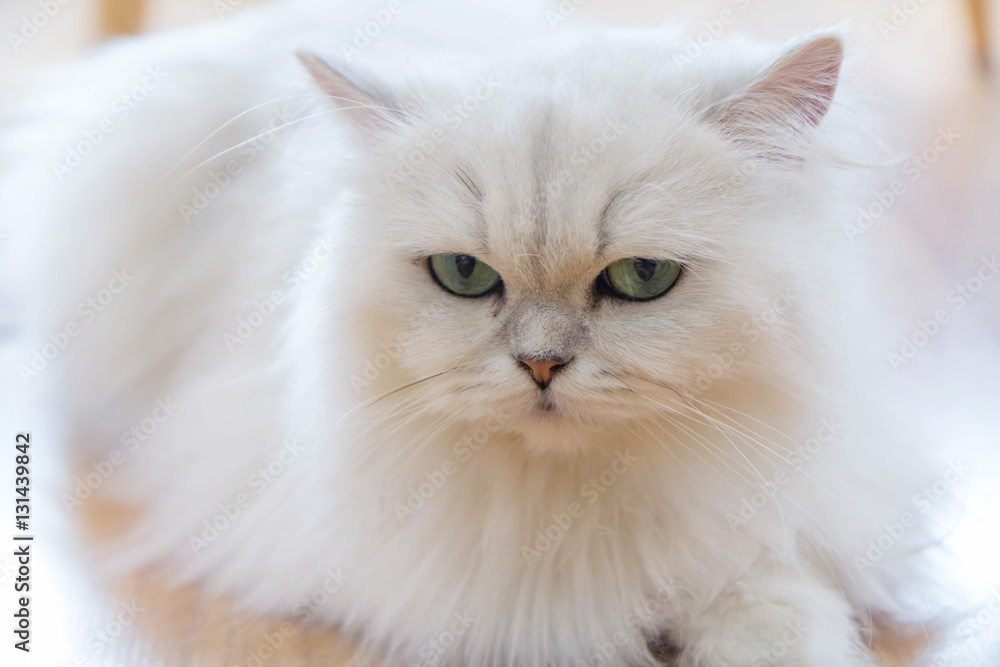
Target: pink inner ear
x,y
359,107
797,90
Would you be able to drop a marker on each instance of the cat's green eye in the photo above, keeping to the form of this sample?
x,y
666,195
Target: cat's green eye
x,y
638,279
463,275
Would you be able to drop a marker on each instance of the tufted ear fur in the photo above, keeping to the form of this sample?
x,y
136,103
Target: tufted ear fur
x,y
793,94
365,105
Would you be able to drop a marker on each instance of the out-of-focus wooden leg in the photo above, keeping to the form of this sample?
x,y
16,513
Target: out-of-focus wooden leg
x,y
980,32
121,17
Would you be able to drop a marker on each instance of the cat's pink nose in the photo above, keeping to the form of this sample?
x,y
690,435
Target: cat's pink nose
x,y
542,370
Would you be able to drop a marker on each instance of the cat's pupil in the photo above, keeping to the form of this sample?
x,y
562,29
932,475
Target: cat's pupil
x,y
645,268
465,265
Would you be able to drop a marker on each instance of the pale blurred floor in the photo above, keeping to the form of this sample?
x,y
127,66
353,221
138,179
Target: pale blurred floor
x,y
925,73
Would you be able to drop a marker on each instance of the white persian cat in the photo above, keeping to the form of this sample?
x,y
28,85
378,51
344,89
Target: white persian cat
x,y
489,355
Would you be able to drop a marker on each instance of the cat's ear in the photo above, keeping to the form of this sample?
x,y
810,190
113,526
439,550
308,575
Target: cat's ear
x,y
792,94
364,104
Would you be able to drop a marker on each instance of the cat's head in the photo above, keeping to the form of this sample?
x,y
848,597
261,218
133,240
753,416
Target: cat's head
x,y
574,235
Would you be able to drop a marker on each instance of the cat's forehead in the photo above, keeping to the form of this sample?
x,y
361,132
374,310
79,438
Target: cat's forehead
x,y
568,188
551,178
542,206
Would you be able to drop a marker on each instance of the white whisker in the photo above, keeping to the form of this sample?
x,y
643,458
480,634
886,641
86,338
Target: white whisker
x,y
229,122
262,135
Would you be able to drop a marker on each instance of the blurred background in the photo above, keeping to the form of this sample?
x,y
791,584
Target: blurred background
x,y
929,68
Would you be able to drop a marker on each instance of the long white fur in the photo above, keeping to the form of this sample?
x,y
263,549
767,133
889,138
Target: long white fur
x,y
661,535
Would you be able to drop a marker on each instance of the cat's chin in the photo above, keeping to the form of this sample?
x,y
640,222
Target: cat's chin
x,y
546,429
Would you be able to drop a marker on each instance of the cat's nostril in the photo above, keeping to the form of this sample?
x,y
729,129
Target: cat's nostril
x,y
542,370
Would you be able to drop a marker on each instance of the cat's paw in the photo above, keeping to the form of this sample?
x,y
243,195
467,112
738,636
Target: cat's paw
x,y
790,650
774,621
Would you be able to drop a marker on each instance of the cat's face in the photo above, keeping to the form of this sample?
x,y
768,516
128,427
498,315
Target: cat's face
x,y
575,244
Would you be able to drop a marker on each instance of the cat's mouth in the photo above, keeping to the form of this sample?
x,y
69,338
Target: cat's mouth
x,y
546,404
551,406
